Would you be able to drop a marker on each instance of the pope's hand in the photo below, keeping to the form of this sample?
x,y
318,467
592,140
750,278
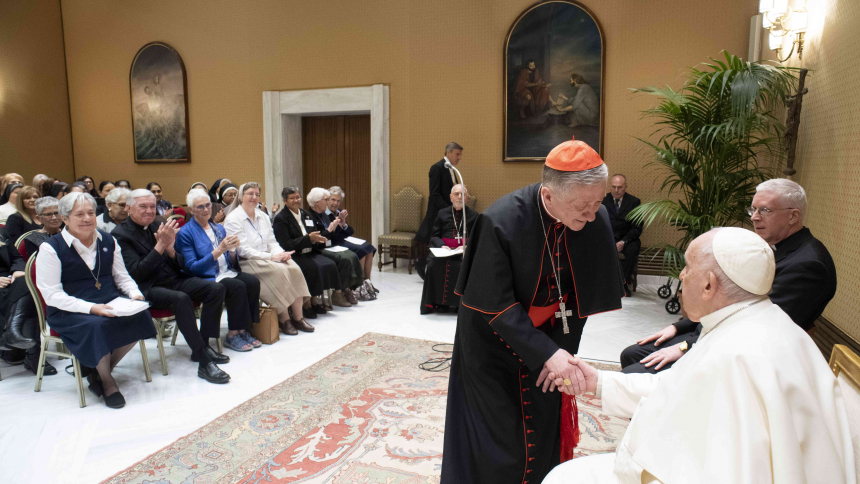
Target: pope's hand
x,y
661,336
589,374
560,366
663,357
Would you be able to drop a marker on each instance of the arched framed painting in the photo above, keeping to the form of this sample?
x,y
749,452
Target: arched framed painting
x,y
554,80
159,105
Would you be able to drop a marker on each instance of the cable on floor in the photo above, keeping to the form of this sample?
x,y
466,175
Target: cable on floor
x,y
438,364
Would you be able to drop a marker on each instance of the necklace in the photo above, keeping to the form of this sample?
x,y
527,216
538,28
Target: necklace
x,y
96,277
562,312
462,223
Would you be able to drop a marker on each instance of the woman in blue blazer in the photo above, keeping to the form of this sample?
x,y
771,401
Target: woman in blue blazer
x,y
210,254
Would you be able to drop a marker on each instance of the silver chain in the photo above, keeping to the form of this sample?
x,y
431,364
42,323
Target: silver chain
x,y
546,239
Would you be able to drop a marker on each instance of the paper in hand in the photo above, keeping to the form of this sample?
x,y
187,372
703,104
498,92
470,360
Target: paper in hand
x,y
123,306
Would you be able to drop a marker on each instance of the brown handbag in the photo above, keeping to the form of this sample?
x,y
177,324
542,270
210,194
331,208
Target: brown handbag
x,y
267,330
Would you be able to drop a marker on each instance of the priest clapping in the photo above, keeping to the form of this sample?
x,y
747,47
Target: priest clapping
x,y
736,409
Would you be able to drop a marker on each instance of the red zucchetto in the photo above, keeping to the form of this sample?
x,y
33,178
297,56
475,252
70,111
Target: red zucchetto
x,y
573,156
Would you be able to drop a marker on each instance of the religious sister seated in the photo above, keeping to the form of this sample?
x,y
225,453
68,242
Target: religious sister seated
x,y
753,402
441,273
344,232
78,272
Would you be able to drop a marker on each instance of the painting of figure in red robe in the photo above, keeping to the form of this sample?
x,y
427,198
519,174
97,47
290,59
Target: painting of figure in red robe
x,y
553,80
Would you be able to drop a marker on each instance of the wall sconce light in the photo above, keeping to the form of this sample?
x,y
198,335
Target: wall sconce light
x,y
782,20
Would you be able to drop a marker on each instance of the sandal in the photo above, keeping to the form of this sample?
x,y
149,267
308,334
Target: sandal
x,y
250,339
238,343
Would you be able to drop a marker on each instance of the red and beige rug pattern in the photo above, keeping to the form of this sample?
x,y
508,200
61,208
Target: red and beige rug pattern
x,y
366,414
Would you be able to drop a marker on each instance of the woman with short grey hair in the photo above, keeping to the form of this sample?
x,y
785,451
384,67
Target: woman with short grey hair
x,y
343,232
48,213
115,213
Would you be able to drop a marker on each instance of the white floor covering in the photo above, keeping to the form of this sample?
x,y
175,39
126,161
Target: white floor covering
x,y
46,438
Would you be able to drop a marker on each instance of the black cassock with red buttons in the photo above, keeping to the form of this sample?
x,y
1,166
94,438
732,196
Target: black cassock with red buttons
x,y
499,427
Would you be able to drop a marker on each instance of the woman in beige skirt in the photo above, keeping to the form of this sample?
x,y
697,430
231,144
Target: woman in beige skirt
x,y
281,281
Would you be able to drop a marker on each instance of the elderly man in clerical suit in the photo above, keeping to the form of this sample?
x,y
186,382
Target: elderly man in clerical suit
x,y
449,233
619,203
442,180
805,278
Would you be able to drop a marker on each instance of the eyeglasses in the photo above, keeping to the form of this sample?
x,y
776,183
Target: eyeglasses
x,y
50,215
764,211
204,207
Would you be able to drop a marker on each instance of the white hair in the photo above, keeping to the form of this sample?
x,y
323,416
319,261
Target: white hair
x,y
336,190
69,201
45,202
132,197
316,194
728,287
789,192
116,194
194,194
562,180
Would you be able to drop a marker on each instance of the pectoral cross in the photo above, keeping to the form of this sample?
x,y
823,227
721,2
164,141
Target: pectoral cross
x,y
98,286
563,313
458,239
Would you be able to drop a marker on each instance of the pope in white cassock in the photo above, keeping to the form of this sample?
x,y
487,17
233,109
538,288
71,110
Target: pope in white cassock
x,y
752,402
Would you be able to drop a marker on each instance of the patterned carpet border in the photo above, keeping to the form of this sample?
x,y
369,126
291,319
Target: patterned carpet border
x,y
364,413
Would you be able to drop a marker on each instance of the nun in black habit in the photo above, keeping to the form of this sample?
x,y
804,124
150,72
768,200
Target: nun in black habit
x,y
533,247
440,277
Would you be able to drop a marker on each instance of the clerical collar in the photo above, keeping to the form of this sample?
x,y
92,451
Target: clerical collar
x,y
710,321
543,206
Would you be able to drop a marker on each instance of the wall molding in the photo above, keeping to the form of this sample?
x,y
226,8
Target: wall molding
x,y
827,335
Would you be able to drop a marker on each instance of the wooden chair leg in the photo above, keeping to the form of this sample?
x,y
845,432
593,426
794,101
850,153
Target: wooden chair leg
x,y
79,382
145,361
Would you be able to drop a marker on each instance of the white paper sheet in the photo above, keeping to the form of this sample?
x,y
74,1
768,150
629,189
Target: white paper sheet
x,y
337,248
443,252
355,240
123,306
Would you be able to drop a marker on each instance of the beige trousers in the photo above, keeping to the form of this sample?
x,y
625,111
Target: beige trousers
x,y
280,283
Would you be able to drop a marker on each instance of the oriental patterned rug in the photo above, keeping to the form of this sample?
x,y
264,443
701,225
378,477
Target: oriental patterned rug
x,y
365,414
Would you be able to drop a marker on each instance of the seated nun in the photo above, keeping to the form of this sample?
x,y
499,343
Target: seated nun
x,y
48,213
209,253
364,251
115,213
348,264
752,402
282,284
10,194
226,196
78,272
441,273
294,231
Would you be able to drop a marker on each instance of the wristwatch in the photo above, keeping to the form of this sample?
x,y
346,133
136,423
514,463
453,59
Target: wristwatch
x,y
683,347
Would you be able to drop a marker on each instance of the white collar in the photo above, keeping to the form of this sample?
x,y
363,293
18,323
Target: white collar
x,y
449,161
243,213
710,321
70,239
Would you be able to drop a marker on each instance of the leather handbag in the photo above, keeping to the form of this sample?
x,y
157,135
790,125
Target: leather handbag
x,y
267,330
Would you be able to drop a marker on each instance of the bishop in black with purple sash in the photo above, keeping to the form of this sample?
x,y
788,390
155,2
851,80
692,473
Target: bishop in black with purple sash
x,y
538,262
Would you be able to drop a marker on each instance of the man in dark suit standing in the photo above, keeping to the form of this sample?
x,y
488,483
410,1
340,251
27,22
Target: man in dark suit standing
x,y
619,203
149,255
442,180
805,279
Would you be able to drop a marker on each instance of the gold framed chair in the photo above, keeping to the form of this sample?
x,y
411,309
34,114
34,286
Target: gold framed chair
x,y
845,365
405,221
47,339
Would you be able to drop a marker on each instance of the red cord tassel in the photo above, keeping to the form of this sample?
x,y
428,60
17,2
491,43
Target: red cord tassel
x,y
569,427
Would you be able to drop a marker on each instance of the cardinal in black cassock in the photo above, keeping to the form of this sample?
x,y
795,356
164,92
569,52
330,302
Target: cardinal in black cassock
x,y
441,273
544,242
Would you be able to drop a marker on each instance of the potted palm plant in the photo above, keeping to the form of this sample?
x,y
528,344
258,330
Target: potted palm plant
x,y
710,135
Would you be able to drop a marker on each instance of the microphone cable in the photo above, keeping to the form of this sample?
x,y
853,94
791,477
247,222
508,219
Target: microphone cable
x,y
440,364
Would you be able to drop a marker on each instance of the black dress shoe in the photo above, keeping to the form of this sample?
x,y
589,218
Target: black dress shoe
x,y
31,362
303,325
319,309
217,358
12,357
115,400
309,313
627,291
95,384
288,328
211,373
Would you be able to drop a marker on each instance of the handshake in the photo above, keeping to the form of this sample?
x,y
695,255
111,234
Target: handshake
x,y
568,373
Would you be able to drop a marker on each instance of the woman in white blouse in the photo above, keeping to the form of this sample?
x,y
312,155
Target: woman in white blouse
x,y
78,272
281,281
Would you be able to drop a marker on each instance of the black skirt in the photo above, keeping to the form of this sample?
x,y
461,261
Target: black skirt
x,y
320,272
90,337
440,279
360,250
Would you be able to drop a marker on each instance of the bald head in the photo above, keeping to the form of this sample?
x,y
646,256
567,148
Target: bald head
x,y
618,186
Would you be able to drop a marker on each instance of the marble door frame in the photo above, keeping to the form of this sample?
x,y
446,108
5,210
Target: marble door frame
x,y
282,139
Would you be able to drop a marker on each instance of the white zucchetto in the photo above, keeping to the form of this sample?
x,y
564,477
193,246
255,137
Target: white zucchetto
x,y
745,258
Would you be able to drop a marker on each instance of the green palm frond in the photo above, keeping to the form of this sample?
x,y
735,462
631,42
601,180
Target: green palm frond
x,y
706,141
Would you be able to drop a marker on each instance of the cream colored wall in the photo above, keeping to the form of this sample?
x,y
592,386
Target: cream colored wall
x,y
34,104
828,164
442,60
